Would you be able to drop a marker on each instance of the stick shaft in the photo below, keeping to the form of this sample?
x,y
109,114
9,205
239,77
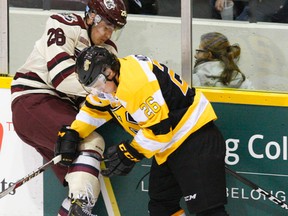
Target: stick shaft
x,y
257,188
22,181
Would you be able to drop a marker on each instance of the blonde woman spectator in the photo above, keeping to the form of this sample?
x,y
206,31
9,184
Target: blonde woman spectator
x,y
216,65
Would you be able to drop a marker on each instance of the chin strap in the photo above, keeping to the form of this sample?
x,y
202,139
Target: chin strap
x,y
89,32
86,16
115,81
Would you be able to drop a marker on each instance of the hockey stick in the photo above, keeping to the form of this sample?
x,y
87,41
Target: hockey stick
x,y
258,189
20,182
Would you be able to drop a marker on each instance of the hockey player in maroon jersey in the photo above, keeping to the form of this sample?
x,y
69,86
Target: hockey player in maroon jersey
x,y
47,95
168,120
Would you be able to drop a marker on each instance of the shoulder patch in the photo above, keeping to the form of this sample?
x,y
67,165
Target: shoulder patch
x,y
69,19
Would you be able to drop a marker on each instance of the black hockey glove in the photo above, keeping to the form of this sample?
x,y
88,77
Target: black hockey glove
x,y
67,144
120,159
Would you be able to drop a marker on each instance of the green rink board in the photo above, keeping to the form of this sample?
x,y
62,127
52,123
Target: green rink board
x,y
256,140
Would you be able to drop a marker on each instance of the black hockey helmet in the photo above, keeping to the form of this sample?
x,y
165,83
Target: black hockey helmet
x,y
92,62
114,11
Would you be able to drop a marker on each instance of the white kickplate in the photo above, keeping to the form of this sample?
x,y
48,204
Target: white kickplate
x,y
17,160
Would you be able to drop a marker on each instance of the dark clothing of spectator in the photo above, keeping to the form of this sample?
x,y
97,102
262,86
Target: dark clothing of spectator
x,y
281,16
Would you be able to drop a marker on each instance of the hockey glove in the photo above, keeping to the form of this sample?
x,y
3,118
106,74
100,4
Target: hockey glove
x,y
120,159
67,144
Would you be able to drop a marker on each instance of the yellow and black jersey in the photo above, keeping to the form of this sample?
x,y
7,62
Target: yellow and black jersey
x,y
153,104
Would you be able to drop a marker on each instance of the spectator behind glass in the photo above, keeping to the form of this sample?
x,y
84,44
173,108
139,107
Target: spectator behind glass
x,y
254,11
148,7
240,9
215,63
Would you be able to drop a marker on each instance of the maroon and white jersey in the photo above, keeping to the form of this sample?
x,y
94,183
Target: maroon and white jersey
x,y
50,68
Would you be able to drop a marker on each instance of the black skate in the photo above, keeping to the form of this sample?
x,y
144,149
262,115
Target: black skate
x,y
80,207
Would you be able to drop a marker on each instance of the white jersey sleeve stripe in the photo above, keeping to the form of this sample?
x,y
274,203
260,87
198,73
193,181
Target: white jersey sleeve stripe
x,y
145,67
88,119
190,123
148,144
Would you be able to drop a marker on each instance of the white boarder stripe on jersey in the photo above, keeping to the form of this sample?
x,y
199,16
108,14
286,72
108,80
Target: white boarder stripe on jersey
x,y
86,118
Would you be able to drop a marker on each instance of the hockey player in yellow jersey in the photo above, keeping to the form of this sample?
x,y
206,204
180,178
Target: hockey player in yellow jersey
x,y
169,121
